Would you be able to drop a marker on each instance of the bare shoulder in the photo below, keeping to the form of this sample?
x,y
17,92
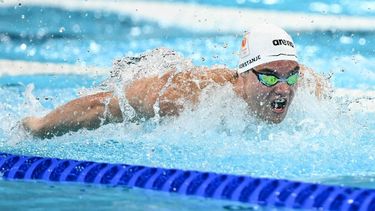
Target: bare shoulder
x,y
143,93
202,76
206,76
222,75
186,86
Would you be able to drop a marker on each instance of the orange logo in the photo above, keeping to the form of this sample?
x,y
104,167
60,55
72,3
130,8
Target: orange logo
x,y
243,42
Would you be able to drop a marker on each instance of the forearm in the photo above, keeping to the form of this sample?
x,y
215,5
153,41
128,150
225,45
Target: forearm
x,y
88,112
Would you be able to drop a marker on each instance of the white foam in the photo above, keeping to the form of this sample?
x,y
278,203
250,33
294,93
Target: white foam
x,y
342,92
203,18
359,100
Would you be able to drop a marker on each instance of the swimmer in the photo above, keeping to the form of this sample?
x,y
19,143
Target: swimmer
x,y
267,78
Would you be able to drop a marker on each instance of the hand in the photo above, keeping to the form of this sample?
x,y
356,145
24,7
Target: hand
x,y
31,125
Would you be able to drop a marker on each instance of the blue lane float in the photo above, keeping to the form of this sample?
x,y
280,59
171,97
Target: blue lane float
x,y
260,191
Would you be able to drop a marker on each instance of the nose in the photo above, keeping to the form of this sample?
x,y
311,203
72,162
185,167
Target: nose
x,y
282,89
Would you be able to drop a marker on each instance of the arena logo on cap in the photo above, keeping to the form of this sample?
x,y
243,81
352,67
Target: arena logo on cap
x,y
282,42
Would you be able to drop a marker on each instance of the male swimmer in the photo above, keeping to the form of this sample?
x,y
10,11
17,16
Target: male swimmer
x,y
266,79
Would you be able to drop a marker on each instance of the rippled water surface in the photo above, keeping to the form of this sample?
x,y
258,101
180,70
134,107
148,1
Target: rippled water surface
x,y
327,140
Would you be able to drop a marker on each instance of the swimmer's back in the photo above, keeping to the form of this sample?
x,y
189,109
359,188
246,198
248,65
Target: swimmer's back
x,y
172,90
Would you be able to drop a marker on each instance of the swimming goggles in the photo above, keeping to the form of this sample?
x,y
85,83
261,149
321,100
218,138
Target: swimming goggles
x,y
269,79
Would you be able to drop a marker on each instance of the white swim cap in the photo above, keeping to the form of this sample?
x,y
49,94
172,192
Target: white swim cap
x,y
265,43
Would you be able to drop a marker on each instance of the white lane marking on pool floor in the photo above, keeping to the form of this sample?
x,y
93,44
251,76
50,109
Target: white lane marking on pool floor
x,y
14,68
204,18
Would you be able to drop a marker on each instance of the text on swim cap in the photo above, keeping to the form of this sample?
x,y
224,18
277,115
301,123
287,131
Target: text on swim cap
x,y
249,61
282,42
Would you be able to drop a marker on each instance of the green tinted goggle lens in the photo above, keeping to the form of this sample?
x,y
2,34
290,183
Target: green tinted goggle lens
x,y
271,80
291,80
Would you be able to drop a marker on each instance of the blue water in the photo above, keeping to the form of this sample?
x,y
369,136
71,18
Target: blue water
x,y
326,141
97,38
331,7
81,197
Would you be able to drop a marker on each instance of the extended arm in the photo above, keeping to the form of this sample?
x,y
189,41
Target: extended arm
x,y
88,112
95,110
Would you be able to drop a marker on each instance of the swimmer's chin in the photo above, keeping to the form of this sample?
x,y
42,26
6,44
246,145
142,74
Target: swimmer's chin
x,y
274,118
276,121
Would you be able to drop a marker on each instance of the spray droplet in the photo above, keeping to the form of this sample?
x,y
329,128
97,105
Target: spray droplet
x,y
23,46
62,29
362,41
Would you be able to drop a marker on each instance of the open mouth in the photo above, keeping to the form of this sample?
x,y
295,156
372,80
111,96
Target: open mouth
x,y
279,105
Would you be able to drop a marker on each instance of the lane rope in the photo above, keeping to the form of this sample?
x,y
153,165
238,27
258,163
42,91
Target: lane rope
x,y
260,191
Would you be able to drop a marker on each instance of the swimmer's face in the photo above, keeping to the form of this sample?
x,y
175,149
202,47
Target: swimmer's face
x,y
270,103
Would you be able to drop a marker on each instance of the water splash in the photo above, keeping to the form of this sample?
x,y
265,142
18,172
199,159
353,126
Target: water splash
x,y
31,104
153,63
318,138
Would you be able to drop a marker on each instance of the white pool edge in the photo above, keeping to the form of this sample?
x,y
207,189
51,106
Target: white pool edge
x,y
17,67
205,18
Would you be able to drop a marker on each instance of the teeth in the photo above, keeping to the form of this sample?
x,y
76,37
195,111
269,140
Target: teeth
x,y
280,100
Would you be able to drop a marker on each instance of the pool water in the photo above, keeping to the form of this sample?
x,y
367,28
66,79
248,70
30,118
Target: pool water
x,y
78,197
325,140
